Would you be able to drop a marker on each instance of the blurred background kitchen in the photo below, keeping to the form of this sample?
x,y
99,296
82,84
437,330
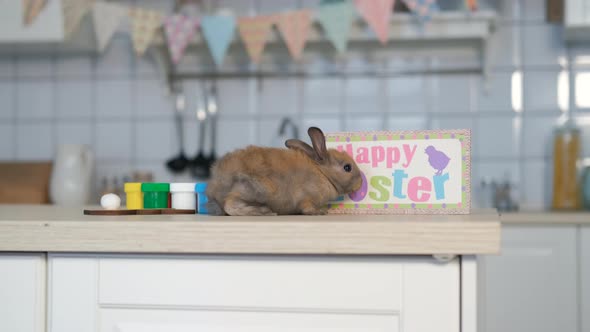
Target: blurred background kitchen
x,y
511,88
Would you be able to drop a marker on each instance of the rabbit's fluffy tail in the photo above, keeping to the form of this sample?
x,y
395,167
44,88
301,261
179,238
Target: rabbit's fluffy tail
x,y
214,208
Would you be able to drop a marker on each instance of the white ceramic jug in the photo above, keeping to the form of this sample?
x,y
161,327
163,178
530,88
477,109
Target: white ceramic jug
x,y
71,175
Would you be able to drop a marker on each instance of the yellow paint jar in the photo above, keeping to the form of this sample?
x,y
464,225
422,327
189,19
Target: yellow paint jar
x,y
134,195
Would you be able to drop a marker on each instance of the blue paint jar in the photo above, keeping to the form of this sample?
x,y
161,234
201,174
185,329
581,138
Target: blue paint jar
x,y
202,200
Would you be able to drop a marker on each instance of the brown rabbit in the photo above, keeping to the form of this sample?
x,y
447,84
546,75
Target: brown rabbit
x,y
270,181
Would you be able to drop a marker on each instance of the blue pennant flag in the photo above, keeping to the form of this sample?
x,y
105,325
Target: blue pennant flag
x,y
336,16
218,31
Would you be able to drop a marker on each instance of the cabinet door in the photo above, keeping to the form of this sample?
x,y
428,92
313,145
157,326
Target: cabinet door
x,y
141,293
22,292
585,277
531,286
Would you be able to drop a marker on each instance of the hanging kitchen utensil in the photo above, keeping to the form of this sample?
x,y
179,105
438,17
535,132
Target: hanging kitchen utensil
x,y
212,109
200,165
279,140
180,162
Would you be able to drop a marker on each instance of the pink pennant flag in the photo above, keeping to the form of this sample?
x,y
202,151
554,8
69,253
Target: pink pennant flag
x,y
377,14
294,27
255,32
179,31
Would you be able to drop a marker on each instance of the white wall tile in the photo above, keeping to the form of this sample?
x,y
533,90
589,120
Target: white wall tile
x,y
7,99
583,122
147,65
235,96
279,96
413,122
152,99
538,136
541,91
113,98
274,6
34,141
191,136
243,7
7,67
235,134
503,46
73,66
497,171
323,95
155,140
498,137
495,92
406,94
38,66
326,124
533,10
364,123
113,140
542,44
117,59
74,98
363,95
74,133
7,141
537,184
448,122
268,133
35,99
453,93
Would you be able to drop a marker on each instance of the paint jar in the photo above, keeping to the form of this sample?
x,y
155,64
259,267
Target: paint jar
x,y
201,198
155,195
183,196
134,196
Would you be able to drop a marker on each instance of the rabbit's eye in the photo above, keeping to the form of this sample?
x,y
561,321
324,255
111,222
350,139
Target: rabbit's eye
x,y
347,168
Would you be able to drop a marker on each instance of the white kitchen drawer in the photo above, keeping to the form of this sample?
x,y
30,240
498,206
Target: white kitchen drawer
x,y
246,293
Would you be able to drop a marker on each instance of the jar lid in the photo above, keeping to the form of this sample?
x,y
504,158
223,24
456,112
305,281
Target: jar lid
x,y
201,187
155,186
182,187
132,187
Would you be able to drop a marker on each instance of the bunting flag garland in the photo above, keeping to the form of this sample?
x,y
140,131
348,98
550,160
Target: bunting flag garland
x,y
294,27
255,32
423,9
471,5
144,24
74,11
377,14
218,32
179,31
107,17
336,18
31,9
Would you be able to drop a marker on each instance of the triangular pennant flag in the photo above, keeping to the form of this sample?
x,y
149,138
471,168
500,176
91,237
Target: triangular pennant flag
x,y
336,18
294,27
377,14
107,17
255,32
31,9
471,5
179,31
423,9
144,24
218,32
74,11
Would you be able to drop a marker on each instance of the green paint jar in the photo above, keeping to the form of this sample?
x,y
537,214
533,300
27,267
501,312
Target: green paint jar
x,y
155,195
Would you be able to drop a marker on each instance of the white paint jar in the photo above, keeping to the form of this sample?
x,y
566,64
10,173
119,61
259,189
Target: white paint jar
x,y
183,196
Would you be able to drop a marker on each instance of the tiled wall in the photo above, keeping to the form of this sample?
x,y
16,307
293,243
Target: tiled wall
x,y
116,103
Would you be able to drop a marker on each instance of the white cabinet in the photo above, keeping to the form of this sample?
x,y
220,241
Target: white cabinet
x,y
577,20
532,285
253,293
22,292
585,277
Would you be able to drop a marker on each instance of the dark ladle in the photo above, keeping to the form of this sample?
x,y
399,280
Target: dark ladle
x,y
200,165
180,162
212,109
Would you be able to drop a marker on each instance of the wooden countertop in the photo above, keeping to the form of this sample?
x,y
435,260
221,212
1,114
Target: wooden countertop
x,y
53,229
546,218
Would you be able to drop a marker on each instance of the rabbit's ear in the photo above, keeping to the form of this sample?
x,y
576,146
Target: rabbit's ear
x,y
319,142
295,144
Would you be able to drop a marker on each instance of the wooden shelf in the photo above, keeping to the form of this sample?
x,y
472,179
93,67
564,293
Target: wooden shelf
x,y
53,229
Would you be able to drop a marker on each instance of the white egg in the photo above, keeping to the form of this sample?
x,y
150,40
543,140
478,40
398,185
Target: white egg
x,y
110,202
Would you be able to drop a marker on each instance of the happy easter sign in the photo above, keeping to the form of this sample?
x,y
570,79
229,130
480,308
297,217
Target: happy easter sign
x,y
407,172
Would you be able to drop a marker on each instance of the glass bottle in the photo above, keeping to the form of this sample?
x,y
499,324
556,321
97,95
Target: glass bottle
x,y
566,150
